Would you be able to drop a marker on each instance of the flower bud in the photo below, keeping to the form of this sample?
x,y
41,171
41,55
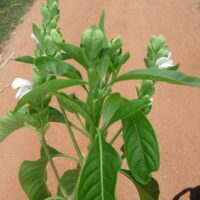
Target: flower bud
x,y
56,36
116,44
93,41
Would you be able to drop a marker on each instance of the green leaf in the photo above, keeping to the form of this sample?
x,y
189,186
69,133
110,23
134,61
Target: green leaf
x,y
50,86
37,33
174,77
140,147
52,67
102,22
110,107
69,179
75,105
128,108
99,175
120,60
76,53
53,152
32,176
93,42
25,59
10,122
55,115
147,192
118,108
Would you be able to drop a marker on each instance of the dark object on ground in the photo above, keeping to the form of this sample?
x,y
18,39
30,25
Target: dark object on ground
x,y
194,193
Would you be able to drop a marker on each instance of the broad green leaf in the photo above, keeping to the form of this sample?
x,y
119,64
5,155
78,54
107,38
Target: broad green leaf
x,y
76,53
74,98
140,147
53,152
99,175
52,67
69,180
147,192
92,42
25,59
121,108
32,176
174,77
75,105
55,116
10,122
128,108
50,86
102,22
110,107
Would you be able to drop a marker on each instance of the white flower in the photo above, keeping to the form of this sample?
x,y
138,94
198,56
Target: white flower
x,y
23,85
165,62
34,37
151,100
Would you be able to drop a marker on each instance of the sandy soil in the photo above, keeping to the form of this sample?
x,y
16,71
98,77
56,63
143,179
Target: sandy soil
x,y
176,112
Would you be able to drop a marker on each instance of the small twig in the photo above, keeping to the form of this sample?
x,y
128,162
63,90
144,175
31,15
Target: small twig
x,y
6,87
8,59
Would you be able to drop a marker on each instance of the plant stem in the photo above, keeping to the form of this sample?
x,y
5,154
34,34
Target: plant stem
x,y
79,119
54,198
76,147
70,157
46,150
84,132
116,136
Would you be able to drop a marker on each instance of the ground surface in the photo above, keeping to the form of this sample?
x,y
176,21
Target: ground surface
x,y
10,13
176,112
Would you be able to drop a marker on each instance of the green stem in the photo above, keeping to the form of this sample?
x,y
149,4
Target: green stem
x,y
116,136
54,198
76,147
84,132
46,150
70,157
79,119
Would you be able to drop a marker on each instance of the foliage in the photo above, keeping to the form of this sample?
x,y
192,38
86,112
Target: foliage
x,y
102,59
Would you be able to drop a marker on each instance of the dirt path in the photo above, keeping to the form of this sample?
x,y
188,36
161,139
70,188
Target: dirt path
x,y
176,112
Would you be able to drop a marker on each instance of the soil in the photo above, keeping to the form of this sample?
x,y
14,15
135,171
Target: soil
x,y
176,111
